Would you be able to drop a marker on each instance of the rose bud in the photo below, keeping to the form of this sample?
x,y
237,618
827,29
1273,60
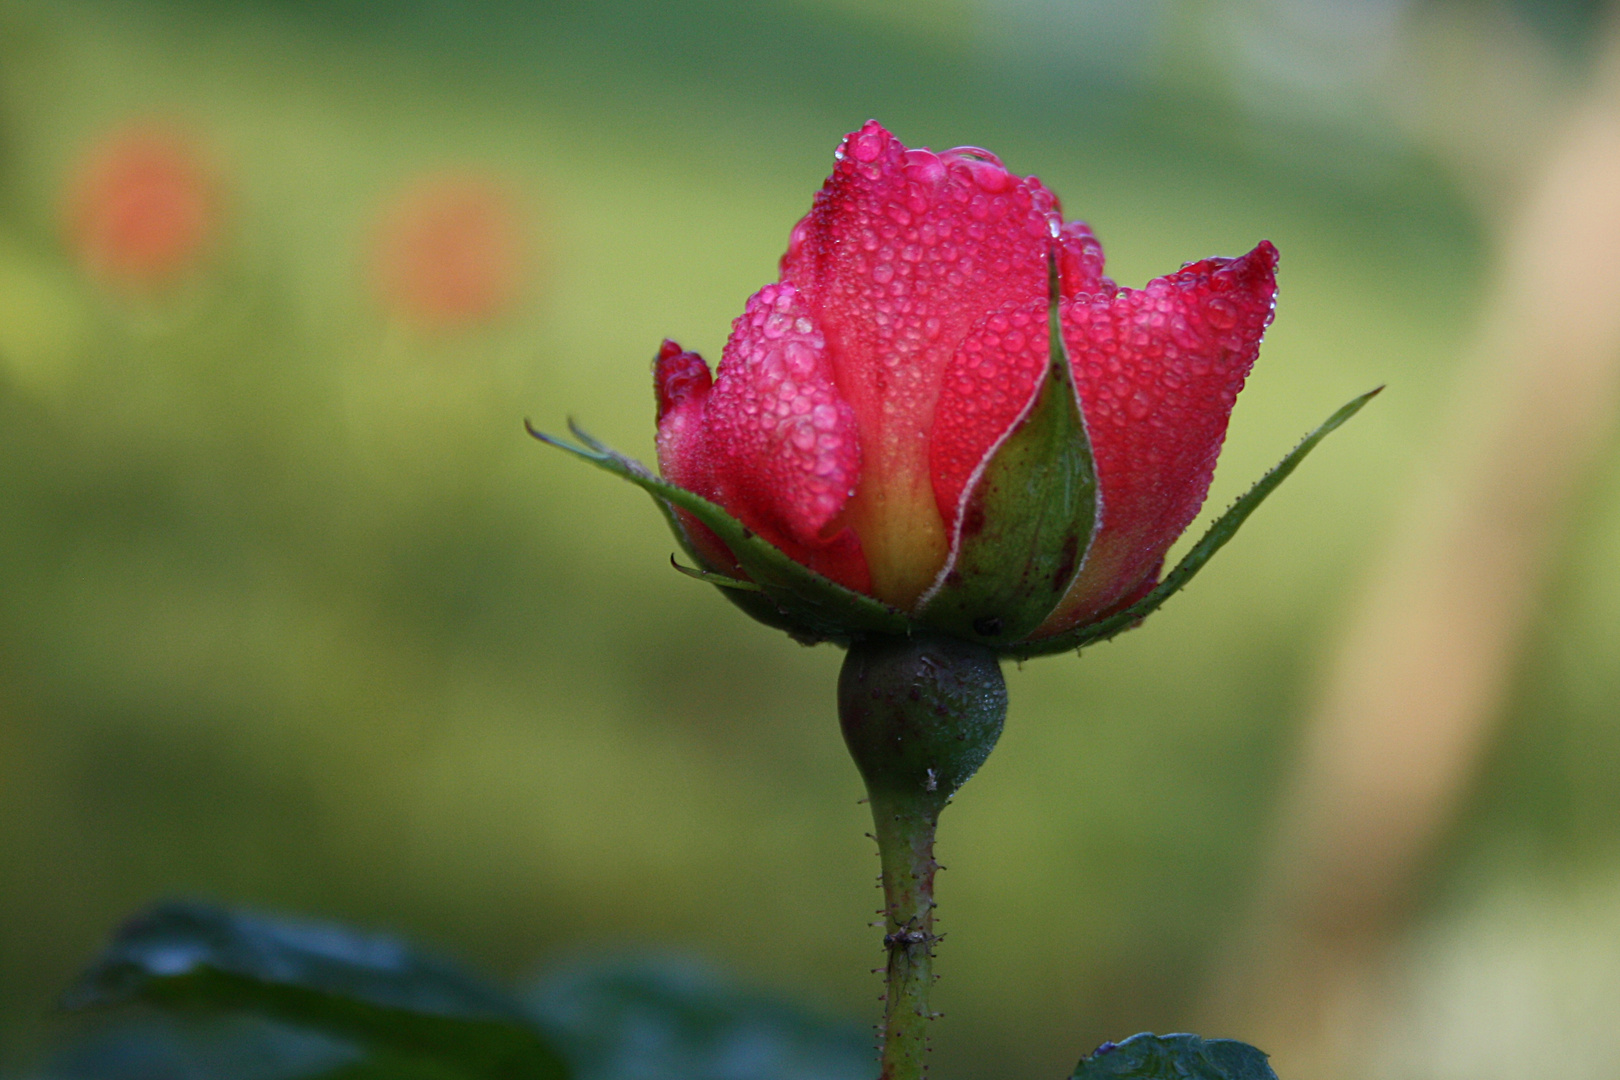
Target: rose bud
x,y
945,418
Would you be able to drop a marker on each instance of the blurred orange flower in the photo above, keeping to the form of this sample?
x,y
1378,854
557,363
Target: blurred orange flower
x,y
141,207
450,251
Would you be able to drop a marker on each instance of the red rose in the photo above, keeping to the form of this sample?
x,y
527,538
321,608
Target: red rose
x,y
893,444
859,396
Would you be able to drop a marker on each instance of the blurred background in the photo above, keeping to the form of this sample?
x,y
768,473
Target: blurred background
x,y
293,614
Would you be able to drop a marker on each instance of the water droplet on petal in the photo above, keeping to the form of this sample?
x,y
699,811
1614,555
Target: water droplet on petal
x,y
868,145
1220,313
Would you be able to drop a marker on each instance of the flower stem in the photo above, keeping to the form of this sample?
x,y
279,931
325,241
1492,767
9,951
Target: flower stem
x,y
905,837
919,716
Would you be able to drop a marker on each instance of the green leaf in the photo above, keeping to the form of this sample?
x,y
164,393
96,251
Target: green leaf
x,y
204,1048
1028,519
410,1015
1175,1057
1212,541
801,600
673,1018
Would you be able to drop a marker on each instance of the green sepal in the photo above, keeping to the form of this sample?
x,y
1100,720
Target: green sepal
x,y
752,601
1225,527
792,597
723,581
1027,520
1174,1057
401,1013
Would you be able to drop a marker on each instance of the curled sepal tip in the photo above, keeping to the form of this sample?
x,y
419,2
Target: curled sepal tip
x,y
723,581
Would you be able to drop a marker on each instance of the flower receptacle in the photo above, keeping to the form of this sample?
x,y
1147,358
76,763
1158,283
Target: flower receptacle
x,y
920,714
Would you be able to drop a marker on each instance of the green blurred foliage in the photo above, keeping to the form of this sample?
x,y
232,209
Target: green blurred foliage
x,y
292,613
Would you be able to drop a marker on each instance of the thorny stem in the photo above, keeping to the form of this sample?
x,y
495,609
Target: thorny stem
x,y
919,715
905,837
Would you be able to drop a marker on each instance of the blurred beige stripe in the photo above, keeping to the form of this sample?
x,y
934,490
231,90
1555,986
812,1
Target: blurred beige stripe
x,y
1410,697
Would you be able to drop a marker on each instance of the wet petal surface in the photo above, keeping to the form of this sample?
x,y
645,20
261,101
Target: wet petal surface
x,y
903,252
1158,370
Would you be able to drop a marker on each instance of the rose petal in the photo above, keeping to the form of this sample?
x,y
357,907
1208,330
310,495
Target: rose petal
x,y
987,387
772,442
992,377
681,386
1158,371
903,252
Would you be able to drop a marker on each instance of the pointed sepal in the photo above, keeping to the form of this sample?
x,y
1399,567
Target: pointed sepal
x,y
791,596
1225,527
1026,519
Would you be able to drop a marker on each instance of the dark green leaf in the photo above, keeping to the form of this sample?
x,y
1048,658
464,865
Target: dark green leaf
x,y
165,1047
675,1019
1027,520
1175,1057
1212,541
803,600
413,1014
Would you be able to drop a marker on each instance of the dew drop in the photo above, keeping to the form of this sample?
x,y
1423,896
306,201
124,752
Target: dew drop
x,y
868,145
991,178
1220,313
